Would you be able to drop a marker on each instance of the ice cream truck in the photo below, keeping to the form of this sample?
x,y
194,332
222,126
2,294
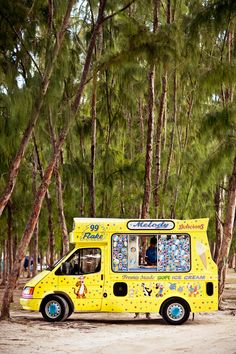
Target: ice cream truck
x,y
108,271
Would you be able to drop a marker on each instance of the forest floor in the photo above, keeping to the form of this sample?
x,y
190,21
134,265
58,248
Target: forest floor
x,y
104,333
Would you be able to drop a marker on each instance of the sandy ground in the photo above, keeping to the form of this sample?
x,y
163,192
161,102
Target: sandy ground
x,y
121,333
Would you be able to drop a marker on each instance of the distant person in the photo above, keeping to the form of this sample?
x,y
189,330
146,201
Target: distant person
x,y
151,253
26,263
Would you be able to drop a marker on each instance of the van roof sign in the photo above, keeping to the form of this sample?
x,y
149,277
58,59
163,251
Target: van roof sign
x,y
151,225
100,229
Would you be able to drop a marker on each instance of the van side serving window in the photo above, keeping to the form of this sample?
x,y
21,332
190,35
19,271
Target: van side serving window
x,y
82,261
151,253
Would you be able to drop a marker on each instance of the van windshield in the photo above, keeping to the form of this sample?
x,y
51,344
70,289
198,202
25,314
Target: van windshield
x,y
58,261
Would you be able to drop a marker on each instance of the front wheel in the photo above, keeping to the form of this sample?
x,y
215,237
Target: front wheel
x,y
55,309
175,311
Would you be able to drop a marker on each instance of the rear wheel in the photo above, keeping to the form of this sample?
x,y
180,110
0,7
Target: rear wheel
x,y
70,312
55,309
175,311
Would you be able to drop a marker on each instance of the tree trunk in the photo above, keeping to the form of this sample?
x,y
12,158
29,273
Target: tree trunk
x,y
141,124
51,237
4,271
104,204
160,125
59,192
81,205
5,314
36,111
122,182
174,120
60,205
1,262
82,199
158,144
10,236
218,223
231,260
179,168
51,246
227,231
14,247
231,204
93,148
149,146
30,259
36,233
41,260
130,135
150,131
97,53
35,251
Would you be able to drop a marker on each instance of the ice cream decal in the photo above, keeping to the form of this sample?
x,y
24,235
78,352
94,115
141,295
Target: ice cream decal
x,y
201,251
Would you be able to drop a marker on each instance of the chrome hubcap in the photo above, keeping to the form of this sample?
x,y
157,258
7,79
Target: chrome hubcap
x,y
175,312
53,309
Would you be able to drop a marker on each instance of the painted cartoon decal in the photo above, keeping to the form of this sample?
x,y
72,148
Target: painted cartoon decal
x,y
193,289
160,289
172,286
146,291
81,290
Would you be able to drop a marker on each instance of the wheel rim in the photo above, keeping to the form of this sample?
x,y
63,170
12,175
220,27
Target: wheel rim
x,y
53,309
175,311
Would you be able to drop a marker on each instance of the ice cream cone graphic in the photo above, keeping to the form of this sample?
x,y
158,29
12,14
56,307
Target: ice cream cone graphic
x,y
201,251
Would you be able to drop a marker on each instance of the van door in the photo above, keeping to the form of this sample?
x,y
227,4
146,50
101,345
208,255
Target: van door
x,y
81,277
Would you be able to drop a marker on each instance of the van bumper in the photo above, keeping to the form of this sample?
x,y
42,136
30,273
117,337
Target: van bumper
x,y
30,304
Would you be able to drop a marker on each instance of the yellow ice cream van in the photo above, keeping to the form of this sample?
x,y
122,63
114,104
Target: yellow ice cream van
x,y
120,265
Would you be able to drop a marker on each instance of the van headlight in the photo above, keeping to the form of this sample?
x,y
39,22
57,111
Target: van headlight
x,y
27,292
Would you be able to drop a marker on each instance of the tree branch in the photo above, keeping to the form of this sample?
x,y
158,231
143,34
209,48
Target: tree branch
x,y
119,11
218,218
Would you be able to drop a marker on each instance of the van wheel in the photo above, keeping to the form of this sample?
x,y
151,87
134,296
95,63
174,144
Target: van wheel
x,y
55,309
175,311
70,312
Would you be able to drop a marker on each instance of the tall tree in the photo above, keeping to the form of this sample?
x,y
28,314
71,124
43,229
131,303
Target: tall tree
x,y
150,132
227,231
37,106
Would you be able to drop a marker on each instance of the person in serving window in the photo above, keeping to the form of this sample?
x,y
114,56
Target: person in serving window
x,y
151,253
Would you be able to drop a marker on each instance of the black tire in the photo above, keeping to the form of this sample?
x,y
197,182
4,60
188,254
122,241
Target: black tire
x,y
55,309
70,312
175,311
